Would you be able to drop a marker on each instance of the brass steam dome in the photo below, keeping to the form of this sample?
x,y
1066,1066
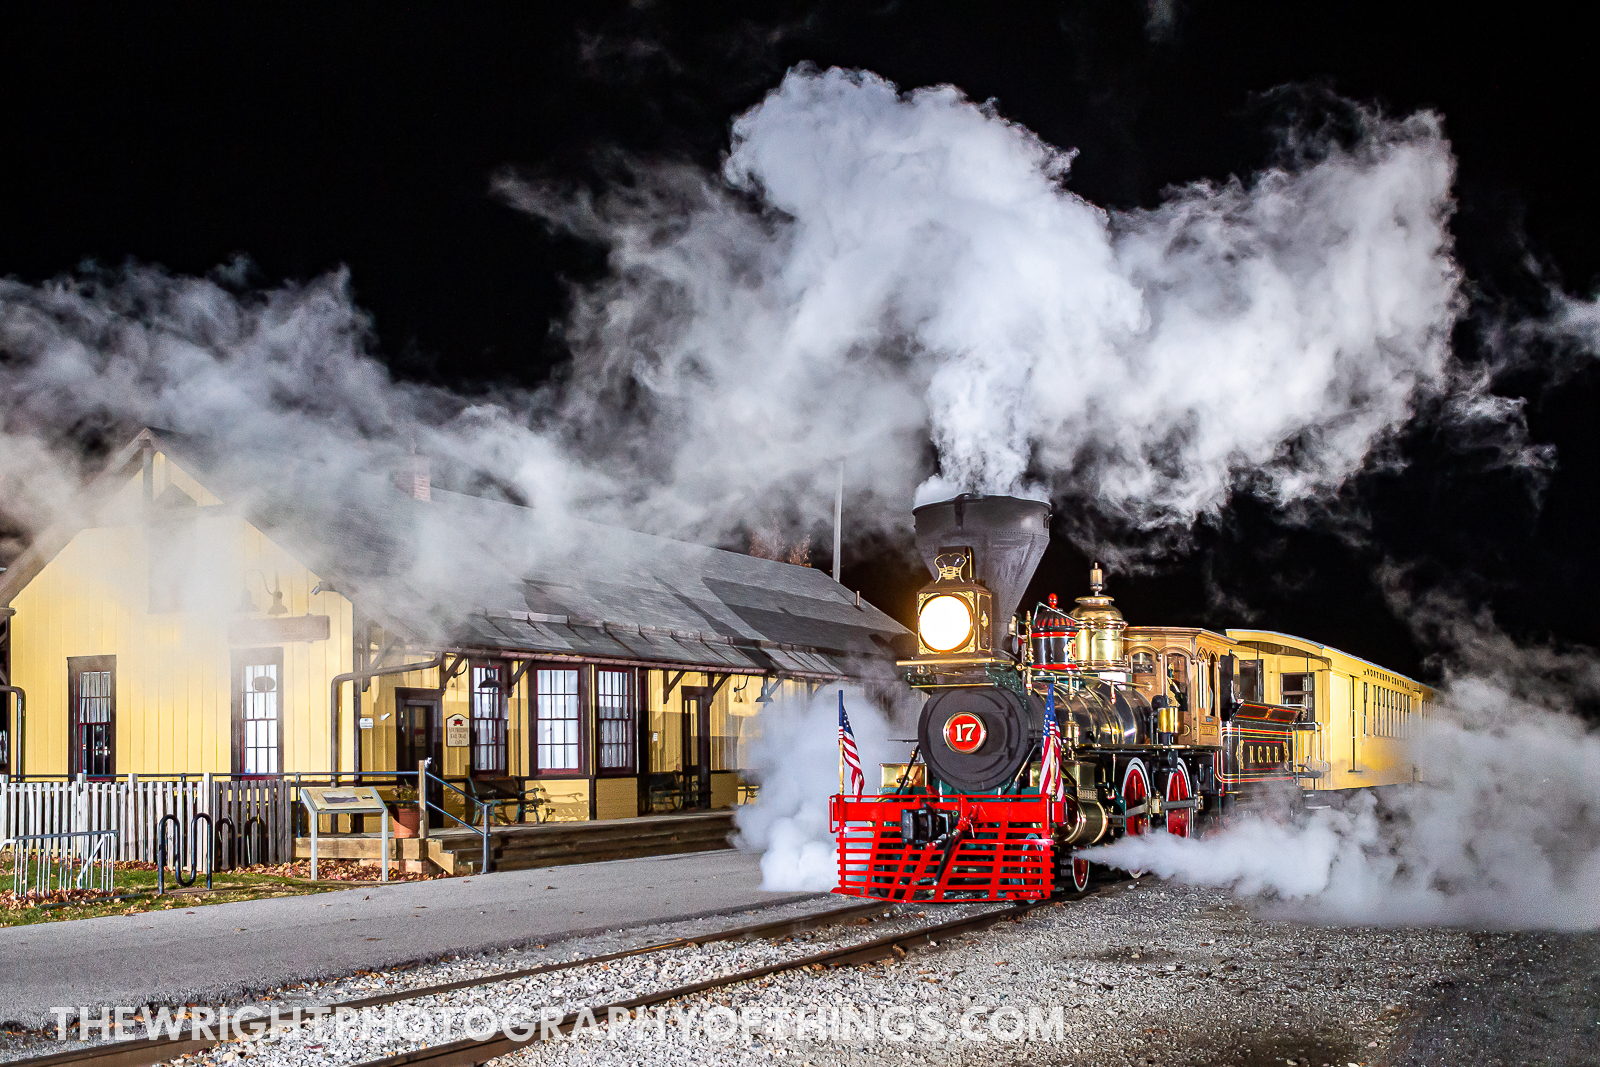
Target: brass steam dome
x,y
1099,645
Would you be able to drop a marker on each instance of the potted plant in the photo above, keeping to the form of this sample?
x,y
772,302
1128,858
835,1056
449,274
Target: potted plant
x,y
407,812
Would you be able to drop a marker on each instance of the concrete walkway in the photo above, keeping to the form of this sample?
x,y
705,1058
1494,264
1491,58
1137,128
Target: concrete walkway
x,y
215,952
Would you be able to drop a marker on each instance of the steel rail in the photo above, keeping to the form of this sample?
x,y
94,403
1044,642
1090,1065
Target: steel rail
x,y
470,1052
141,1052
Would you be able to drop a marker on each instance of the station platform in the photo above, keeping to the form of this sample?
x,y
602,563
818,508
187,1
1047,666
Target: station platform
x,y
524,846
212,953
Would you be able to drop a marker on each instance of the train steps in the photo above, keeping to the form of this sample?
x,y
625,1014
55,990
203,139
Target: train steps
x,y
523,847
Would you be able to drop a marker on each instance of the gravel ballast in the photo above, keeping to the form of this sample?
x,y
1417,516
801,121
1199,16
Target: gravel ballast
x,y
1141,973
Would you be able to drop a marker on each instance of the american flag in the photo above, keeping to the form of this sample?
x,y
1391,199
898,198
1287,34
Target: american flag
x,y
847,751
1050,783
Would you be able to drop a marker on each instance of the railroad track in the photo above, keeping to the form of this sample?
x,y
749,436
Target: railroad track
x,y
470,1053
141,1052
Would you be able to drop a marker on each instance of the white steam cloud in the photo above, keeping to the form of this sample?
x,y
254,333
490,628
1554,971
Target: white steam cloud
x,y
901,281
1502,831
898,280
796,759
878,271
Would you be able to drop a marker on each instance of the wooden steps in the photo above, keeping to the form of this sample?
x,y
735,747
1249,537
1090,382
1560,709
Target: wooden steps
x,y
517,848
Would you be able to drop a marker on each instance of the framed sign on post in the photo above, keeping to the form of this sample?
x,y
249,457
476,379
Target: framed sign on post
x,y
457,733
345,800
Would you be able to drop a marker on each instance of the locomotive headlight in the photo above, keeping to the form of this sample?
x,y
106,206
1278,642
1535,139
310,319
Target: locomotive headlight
x,y
945,622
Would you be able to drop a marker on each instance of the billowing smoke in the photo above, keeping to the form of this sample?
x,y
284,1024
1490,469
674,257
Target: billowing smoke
x,y
879,271
277,391
1503,830
797,761
900,281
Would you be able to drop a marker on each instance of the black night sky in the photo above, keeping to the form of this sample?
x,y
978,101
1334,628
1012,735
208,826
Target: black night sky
x,y
366,136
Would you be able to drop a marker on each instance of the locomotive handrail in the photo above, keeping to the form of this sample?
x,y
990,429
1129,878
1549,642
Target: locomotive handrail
x,y
905,775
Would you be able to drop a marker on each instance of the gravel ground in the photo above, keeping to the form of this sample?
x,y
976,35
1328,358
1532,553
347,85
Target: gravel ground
x,y
1143,974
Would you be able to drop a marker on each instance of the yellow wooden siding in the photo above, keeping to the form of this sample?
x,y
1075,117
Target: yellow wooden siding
x,y
173,670
724,789
568,797
616,798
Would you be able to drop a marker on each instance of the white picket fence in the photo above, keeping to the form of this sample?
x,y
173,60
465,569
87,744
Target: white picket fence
x,y
135,809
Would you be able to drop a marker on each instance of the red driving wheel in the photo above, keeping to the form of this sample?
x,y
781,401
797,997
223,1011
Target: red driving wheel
x,y
1179,787
1080,874
1135,793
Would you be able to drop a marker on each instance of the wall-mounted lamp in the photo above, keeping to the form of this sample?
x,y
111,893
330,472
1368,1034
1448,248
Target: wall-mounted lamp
x,y
247,603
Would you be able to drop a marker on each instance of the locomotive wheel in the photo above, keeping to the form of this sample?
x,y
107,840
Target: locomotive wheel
x,y
1136,793
1180,787
1071,873
1080,874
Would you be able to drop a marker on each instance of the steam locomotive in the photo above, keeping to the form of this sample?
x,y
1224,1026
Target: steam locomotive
x,y
964,819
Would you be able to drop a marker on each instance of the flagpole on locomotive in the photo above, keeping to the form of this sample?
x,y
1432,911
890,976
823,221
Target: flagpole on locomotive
x,y
849,757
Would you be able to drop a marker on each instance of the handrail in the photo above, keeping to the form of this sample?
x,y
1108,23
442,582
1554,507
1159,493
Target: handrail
x,y
484,832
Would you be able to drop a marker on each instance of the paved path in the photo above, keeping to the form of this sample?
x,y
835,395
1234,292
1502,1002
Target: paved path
x,y
207,954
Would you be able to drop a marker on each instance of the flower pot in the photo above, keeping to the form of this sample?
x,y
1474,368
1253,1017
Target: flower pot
x,y
406,821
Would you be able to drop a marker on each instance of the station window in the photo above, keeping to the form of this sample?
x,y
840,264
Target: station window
x,y
258,711
92,689
614,714
557,734
489,720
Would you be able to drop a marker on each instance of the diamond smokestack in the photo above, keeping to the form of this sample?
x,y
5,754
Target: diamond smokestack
x,y
1007,536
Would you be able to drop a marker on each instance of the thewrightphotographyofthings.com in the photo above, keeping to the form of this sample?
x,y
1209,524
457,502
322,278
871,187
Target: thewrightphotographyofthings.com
x,y
819,1022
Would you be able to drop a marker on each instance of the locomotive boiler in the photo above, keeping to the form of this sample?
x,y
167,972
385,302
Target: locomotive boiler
x,y
1161,738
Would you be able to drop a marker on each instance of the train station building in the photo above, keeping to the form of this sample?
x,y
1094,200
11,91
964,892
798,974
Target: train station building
x,y
182,625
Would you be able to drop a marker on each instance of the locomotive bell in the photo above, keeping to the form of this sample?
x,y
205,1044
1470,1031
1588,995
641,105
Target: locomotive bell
x,y
1099,644
1054,632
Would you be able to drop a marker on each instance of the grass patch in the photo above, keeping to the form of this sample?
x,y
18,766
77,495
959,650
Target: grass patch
x,y
244,883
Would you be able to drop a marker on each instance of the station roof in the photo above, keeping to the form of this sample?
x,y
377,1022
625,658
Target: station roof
x,y
472,574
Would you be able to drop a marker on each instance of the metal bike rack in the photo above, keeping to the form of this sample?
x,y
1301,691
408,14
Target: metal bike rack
x,y
192,838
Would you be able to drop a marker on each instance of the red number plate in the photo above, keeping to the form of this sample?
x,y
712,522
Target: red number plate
x,y
964,732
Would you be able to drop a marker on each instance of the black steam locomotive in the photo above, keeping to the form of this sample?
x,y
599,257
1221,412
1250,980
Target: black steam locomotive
x,y
964,818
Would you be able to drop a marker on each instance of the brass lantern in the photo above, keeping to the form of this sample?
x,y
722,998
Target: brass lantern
x,y
953,612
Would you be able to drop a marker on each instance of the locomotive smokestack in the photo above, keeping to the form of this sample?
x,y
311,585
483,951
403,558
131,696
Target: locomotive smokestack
x,y
1007,536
